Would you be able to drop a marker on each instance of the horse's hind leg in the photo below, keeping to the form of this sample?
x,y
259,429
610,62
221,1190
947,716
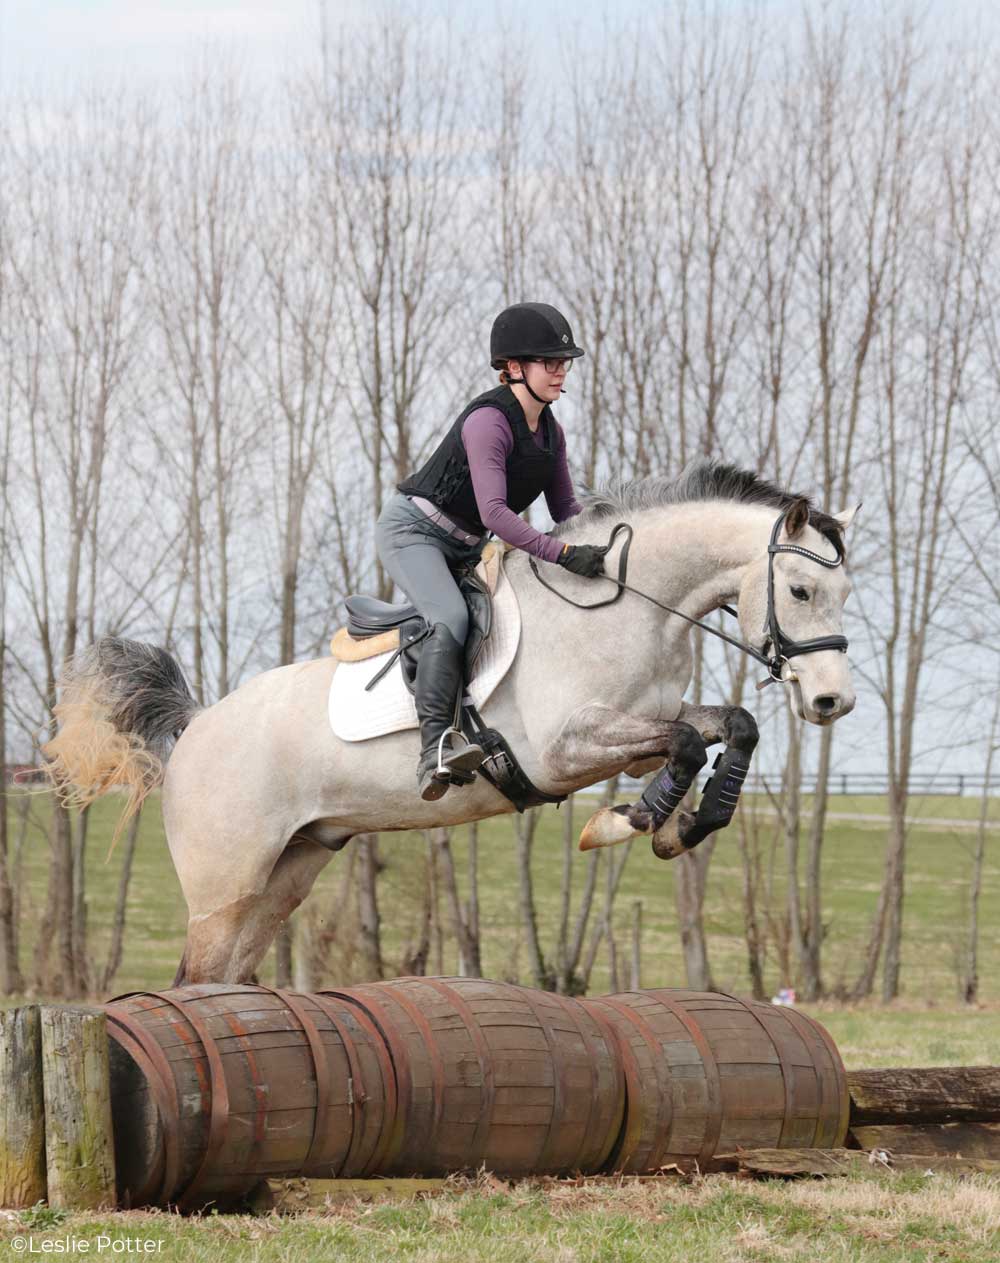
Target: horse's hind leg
x,y
228,943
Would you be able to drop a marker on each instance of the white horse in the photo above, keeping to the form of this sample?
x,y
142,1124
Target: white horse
x,y
258,792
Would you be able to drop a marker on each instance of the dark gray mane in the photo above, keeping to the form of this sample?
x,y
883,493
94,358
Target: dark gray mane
x,y
700,480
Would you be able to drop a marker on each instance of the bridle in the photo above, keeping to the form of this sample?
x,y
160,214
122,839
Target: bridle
x,y
781,647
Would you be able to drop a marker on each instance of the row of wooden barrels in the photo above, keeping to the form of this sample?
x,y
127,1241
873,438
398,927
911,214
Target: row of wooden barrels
x,y
216,1087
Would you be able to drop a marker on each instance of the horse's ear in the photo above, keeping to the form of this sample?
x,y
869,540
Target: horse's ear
x,y
797,517
845,519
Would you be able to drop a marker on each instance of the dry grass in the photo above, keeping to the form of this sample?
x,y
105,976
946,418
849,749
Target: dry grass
x,y
898,1218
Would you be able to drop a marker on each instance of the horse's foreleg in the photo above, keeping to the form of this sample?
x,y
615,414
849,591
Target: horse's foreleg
x,y
598,739
738,729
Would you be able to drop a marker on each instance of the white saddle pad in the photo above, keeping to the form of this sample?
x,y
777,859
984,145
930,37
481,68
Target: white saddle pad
x,y
357,716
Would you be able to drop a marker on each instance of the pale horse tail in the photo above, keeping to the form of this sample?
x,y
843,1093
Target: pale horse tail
x,y
122,706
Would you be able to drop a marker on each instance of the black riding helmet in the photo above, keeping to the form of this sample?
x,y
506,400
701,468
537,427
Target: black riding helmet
x,y
531,331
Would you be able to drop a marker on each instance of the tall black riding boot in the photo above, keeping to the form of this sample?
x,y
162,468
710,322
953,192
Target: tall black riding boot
x,y
437,691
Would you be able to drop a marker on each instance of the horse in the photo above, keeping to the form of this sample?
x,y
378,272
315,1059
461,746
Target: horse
x,y
258,793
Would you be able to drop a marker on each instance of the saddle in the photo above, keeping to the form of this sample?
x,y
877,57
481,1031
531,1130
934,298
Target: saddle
x,y
378,628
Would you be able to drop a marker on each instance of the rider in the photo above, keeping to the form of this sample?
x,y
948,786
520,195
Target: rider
x,y
502,452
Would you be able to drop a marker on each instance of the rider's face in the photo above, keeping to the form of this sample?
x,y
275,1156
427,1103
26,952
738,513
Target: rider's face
x,y
547,385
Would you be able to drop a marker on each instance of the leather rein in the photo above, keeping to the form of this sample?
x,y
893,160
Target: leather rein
x,y
782,648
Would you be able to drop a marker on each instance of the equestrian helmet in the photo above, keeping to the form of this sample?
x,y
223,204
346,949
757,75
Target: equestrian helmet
x,y
531,331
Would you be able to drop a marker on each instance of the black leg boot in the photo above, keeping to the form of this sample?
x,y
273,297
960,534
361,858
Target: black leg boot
x,y
437,693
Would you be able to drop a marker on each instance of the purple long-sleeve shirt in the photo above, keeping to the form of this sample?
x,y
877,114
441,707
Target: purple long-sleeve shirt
x,y
488,442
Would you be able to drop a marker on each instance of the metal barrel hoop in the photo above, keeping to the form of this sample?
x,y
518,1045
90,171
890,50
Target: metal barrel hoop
x,y
481,1135
321,1066
152,1060
359,1094
713,1081
654,1044
393,1134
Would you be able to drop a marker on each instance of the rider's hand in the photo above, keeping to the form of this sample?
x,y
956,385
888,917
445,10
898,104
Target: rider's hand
x,y
584,559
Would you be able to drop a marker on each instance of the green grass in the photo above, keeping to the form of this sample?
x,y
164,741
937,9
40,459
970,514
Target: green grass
x,y
906,1218
935,910
909,1218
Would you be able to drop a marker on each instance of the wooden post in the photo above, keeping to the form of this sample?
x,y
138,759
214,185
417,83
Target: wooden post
x,y
79,1143
22,1109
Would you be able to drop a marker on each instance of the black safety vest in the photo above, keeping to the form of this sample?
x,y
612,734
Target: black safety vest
x,y
446,481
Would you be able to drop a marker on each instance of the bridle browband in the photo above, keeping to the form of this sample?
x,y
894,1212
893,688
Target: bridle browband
x,y
782,648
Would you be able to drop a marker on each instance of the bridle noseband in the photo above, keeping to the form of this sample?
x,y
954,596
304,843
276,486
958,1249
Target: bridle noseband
x,y
781,647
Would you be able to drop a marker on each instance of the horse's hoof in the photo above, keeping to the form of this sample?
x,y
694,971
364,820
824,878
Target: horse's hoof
x,y
606,827
668,839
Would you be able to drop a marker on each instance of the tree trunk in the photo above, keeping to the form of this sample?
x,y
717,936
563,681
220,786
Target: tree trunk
x,y
970,971
116,947
792,825
750,865
80,961
524,827
468,946
369,923
689,891
811,978
283,953
635,973
11,982
895,869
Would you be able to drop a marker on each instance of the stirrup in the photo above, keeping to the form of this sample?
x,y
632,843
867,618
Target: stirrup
x,y
472,758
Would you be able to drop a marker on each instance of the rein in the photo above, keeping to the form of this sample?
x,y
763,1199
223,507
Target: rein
x,y
779,642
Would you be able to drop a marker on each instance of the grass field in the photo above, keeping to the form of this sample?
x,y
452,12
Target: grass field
x,y
938,865
904,1218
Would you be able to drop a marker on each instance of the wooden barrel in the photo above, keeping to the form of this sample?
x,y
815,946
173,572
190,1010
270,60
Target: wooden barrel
x,y
522,1081
706,1072
214,1087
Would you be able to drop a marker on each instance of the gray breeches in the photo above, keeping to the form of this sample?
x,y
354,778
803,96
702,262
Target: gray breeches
x,y
419,555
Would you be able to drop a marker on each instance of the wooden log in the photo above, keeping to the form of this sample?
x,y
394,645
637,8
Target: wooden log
x,y
960,1140
291,1197
950,1094
829,1162
22,1109
79,1145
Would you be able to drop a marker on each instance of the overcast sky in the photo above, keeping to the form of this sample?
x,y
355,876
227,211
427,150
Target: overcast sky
x,y
47,43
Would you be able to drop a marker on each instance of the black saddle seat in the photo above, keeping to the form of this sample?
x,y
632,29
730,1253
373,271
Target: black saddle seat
x,y
367,616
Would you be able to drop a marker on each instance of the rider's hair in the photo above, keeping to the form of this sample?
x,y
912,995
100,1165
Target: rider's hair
x,y
505,377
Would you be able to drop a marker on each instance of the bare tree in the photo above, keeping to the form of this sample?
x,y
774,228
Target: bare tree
x,y
395,183
205,275
920,464
74,285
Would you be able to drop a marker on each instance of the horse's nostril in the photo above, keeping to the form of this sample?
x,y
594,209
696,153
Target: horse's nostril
x,y
827,704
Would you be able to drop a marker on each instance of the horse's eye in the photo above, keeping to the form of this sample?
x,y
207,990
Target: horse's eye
x,y
800,594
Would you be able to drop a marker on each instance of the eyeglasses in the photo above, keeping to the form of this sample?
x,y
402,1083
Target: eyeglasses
x,y
552,366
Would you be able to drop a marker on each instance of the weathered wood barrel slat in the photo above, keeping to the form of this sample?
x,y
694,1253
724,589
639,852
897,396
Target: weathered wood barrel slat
x,y
706,1073
522,1081
215,1087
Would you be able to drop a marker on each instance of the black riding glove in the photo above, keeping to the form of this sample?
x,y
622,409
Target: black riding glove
x,y
584,559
